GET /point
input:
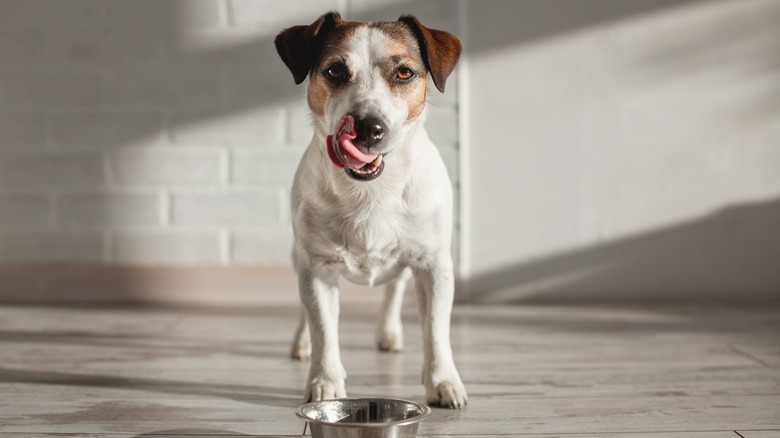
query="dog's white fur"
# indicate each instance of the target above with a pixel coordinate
(378, 232)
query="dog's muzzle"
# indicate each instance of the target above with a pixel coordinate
(350, 147)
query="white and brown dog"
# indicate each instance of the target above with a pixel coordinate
(371, 199)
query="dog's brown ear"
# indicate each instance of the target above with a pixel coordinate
(440, 50)
(300, 46)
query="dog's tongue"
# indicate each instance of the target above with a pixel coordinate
(342, 151)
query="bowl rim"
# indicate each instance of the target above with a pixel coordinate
(424, 412)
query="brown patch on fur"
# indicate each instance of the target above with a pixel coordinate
(415, 99)
(318, 95)
(440, 50)
(320, 89)
(403, 50)
(306, 50)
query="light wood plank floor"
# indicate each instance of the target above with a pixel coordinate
(530, 371)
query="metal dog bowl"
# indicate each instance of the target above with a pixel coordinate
(363, 418)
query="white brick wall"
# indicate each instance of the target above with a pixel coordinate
(52, 247)
(252, 208)
(166, 246)
(162, 131)
(22, 210)
(108, 210)
(166, 167)
(52, 169)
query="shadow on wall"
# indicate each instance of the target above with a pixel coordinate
(160, 57)
(151, 67)
(179, 77)
(731, 256)
(745, 45)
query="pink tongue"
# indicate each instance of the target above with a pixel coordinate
(342, 151)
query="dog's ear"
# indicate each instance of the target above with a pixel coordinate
(440, 50)
(300, 46)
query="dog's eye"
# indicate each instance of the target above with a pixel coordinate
(337, 73)
(404, 73)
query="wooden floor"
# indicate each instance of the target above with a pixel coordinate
(530, 371)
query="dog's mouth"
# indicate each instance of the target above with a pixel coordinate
(344, 154)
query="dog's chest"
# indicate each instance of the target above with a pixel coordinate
(370, 268)
(372, 253)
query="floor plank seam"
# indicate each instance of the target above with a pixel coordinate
(747, 355)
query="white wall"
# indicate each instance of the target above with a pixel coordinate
(161, 131)
(623, 150)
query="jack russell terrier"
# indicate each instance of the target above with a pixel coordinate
(372, 200)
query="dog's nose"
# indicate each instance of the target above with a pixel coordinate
(374, 130)
(370, 131)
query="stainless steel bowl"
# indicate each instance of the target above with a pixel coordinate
(363, 418)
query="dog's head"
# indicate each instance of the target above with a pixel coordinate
(367, 82)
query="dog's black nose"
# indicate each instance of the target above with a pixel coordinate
(374, 130)
(370, 131)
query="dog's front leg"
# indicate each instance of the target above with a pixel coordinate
(435, 293)
(320, 296)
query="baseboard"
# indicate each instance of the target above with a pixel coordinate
(252, 286)
(228, 286)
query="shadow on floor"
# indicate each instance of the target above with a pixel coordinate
(148, 344)
(261, 395)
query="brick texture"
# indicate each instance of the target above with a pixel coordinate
(244, 209)
(24, 211)
(45, 15)
(166, 247)
(166, 167)
(108, 210)
(47, 89)
(162, 132)
(102, 130)
(270, 13)
(22, 130)
(165, 87)
(265, 168)
(59, 246)
(53, 170)
(162, 16)
(270, 246)
(261, 127)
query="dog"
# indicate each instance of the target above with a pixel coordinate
(371, 198)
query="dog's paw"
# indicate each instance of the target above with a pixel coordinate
(324, 389)
(301, 349)
(448, 394)
(390, 338)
